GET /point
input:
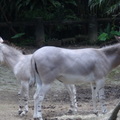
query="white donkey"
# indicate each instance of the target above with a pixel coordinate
(73, 67)
(20, 64)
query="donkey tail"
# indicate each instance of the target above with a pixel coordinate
(34, 73)
(32, 80)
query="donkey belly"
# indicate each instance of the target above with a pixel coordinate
(75, 79)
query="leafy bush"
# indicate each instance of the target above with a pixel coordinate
(108, 33)
(107, 36)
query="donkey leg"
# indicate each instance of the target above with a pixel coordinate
(20, 95)
(100, 89)
(94, 97)
(38, 98)
(23, 108)
(72, 92)
(20, 103)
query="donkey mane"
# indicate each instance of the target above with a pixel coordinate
(111, 49)
(10, 55)
(12, 49)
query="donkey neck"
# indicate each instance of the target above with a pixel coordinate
(11, 55)
(113, 55)
(11, 61)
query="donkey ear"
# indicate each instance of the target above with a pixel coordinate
(1, 40)
(117, 38)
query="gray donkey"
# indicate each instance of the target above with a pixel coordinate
(73, 67)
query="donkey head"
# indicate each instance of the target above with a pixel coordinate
(117, 38)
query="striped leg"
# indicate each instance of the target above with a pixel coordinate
(72, 92)
(38, 98)
(94, 97)
(100, 91)
(24, 96)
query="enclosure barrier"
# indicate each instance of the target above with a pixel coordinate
(89, 31)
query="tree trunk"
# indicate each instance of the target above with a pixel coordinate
(92, 29)
(39, 33)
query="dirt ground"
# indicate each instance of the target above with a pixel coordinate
(57, 101)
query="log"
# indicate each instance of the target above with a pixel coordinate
(115, 112)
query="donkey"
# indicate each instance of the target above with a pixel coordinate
(73, 66)
(20, 64)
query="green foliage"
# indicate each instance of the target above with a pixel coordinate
(105, 6)
(18, 35)
(108, 33)
(59, 10)
(28, 9)
(21, 40)
(12, 9)
(103, 37)
(117, 33)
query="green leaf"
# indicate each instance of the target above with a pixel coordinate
(18, 35)
(103, 37)
(115, 33)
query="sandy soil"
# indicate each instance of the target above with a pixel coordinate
(57, 101)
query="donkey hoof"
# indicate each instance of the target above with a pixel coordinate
(70, 111)
(19, 112)
(96, 113)
(23, 113)
(38, 119)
